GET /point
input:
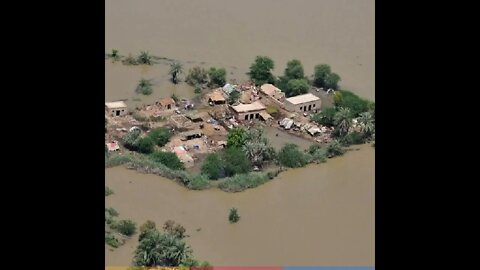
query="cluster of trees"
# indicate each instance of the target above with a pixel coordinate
(200, 77)
(293, 82)
(125, 227)
(245, 149)
(146, 145)
(163, 248)
(349, 106)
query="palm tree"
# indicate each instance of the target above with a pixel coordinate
(343, 121)
(145, 58)
(175, 69)
(144, 87)
(367, 123)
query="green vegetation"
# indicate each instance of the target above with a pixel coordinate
(296, 87)
(108, 191)
(257, 148)
(165, 248)
(218, 76)
(111, 240)
(326, 117)
(114, 55)
(145, 228)
(175, 69)
(233, 216)
(242, 182)
(261, 70)
(130, 139)
(145, 145)
(197, 76)
(317, 153)
(290, 156)
(235, 162)
(233, 97)
(343, 121)
(347, 99)
(144, 87)
(352, 138)
(130, 60)
(197, 90)
(126, 227)
(212, 166)
(160, 136)
(144, 58)
(174, 97)
(236, 137)
(335, 149)
(272, 110)
(169, 159)
(323, 77)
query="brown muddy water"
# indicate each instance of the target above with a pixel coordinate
(230, 33)
(319, 215)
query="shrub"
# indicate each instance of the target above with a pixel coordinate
(352, 138)
(197, 90)
(169, 159)
(117, 160)
(291, 156)
(144, 87)
(196, 75)
(317, 153)
(218, 76)
(335, 149)
(233, 216)
(176, 230)
(111, 212)
(108, 191)
(236, 137)
(160, 136)
(126, 227)
(325, 117)
(235, 161)
(130, 140)
(261, 70)
(145, 145)
(241, 182)
(213, 166)
(198, 182)
(111, 240)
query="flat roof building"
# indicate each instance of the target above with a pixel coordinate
(248, 111)
(116, 108)
(303, 103)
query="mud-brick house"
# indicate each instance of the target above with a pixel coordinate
(116, 108)
(248, 111)
(303, 103)
(166, 103)
(273, 92)
(216, 97)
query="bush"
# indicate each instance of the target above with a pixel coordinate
(198, 182)
(160, 136)
(144, 87)
(317, 153)
(347, 99)
(196, 75)
(235, 161)
(108, 191)
(233, 216)
(218, 76)
(111, 212)
(352, 138)
(130, 140)
(261, 70)
(236, 137)
(212, 167)
(325, 117)
(117, 160)
(197, 90)
(290, 156)
(335, 149)
(176, 230)
(168, 159)
(126, 227)
(174, 97)
(111, 240)
(296, 87)
(145, 145)
(242, 182)
(145, 228)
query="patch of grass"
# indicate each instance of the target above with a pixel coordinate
(126, 227)
(117, 160)
(242, 182)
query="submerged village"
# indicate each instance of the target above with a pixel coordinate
(218, 138)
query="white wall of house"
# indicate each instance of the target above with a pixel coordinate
(117, 112)
(303, 107)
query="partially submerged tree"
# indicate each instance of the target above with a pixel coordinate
(175, 69)
(332, 81)
(197, 76)
(290, 156)
(261, 70)
(367, 124)
(321, 73)
(343, 121)
(213, 166)
(114, 55)
(144, 87)
(233, 216)
(218, 76)
(160, 136)
(335, 149)
(144, 58)
(296, 87)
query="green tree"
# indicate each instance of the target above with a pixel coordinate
(290, 156)
(233, 97)
(144, 58)
(145, 145)
(317, 153)
(343, 121)
(213, 166)
(233, 216)
(175, 69)
(218, 76)
(235, 161)
(350, 100)
(367, 124)
(320, 74)
(294, 70)
(335, 149)
(160, 136)
(257, 148)
(236, 137)
(325, 117)
(197, 76)
(296, 87)
(261, 70)
(168, 159)
(158, 249)
(144, 87)
(130, 139)
(332, 81)
(126, 227)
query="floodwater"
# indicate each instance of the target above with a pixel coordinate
(319, 215)
(230, 33)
